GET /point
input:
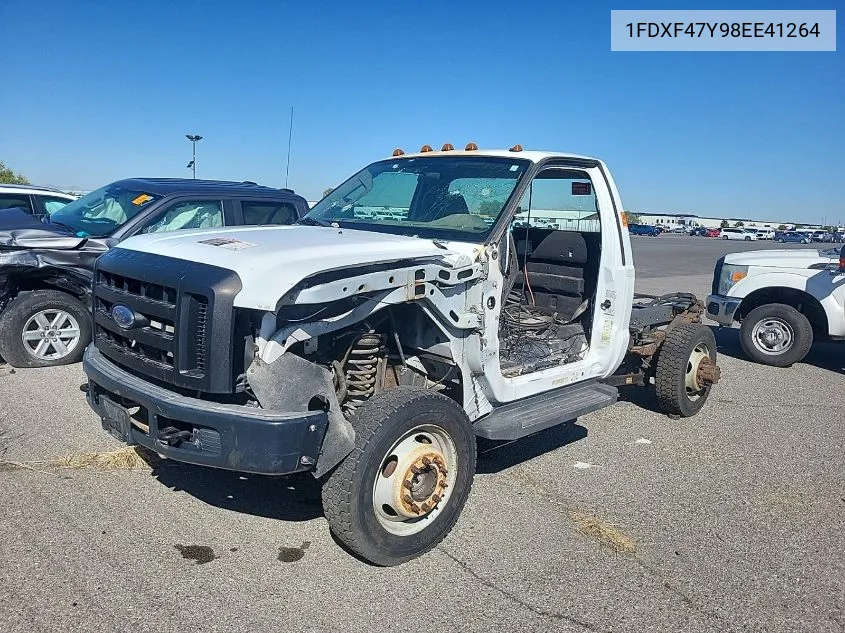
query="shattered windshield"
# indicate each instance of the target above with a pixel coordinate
(444, 197)
(103, 211)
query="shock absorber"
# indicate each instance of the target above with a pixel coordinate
(362, 369)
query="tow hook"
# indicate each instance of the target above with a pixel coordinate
(172, 436)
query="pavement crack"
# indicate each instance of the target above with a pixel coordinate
(516, 599)
(680, 593)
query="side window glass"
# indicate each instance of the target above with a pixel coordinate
(259, 213)
(202, 214)
(561, 199)
(14, 200)
(51, 205)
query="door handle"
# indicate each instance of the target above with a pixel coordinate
(605, 304)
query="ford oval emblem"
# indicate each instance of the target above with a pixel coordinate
(123, 316)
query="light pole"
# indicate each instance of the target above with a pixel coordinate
(194, 138)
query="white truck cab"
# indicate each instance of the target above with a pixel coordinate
(408, 313)
(782, 300)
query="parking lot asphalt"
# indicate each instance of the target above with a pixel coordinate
(735, 518)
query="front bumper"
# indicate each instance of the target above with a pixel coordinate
(232, 437)
(722, 309)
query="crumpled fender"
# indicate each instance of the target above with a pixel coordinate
(290, 383)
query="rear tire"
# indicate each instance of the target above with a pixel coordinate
(63, 320)
(677, 382)
(776, 334)
(367, 499)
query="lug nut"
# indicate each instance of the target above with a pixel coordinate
(407, 484)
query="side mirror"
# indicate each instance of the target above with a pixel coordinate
(842, 260)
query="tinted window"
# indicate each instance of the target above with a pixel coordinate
(263, 212)
(15, 200)
(195, 214)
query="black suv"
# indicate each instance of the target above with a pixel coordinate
(46, 265)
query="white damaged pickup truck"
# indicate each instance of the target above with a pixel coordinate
(783, 300)
(371, 343)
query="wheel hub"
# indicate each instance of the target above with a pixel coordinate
(421, 481)
(708, 372)
(701, 370)
(772, 336)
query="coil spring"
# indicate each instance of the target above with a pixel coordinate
(361, 369)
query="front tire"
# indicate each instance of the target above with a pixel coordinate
(781, 241)
(44, 328)
(686, 369)
(402, 489)
(776, 334)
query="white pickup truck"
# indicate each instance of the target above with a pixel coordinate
(372, 342)
(783, 300)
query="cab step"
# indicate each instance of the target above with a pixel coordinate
(518, 419)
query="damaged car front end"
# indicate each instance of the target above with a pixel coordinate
(188, 363)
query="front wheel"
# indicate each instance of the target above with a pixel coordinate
(747, 239)
(401, 490)
(686, 369)
(776, 334)
(781, 240)
(44, 328)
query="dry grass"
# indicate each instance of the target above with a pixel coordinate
(126, 458)
(604, 533)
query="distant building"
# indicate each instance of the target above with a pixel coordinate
(686, 220)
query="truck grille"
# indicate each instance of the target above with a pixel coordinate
(153, 304)
(185, 330)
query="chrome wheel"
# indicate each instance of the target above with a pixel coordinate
(772, 336)
(700, 370)
(415, 480)
(50, 334)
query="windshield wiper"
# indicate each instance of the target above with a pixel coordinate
(306, 221)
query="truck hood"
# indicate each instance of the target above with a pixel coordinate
(783, 258)
(271, 261)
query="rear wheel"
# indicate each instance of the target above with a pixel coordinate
(686, 369)
(401, 490)
(44, 328)
(776, 334)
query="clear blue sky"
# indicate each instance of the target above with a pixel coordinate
(93, 92)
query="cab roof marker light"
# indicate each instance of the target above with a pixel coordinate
(426, 148)
(516, 148)
(447, 147)
(398, 151)
(471, 147)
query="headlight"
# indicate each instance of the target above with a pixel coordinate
(731, 274)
